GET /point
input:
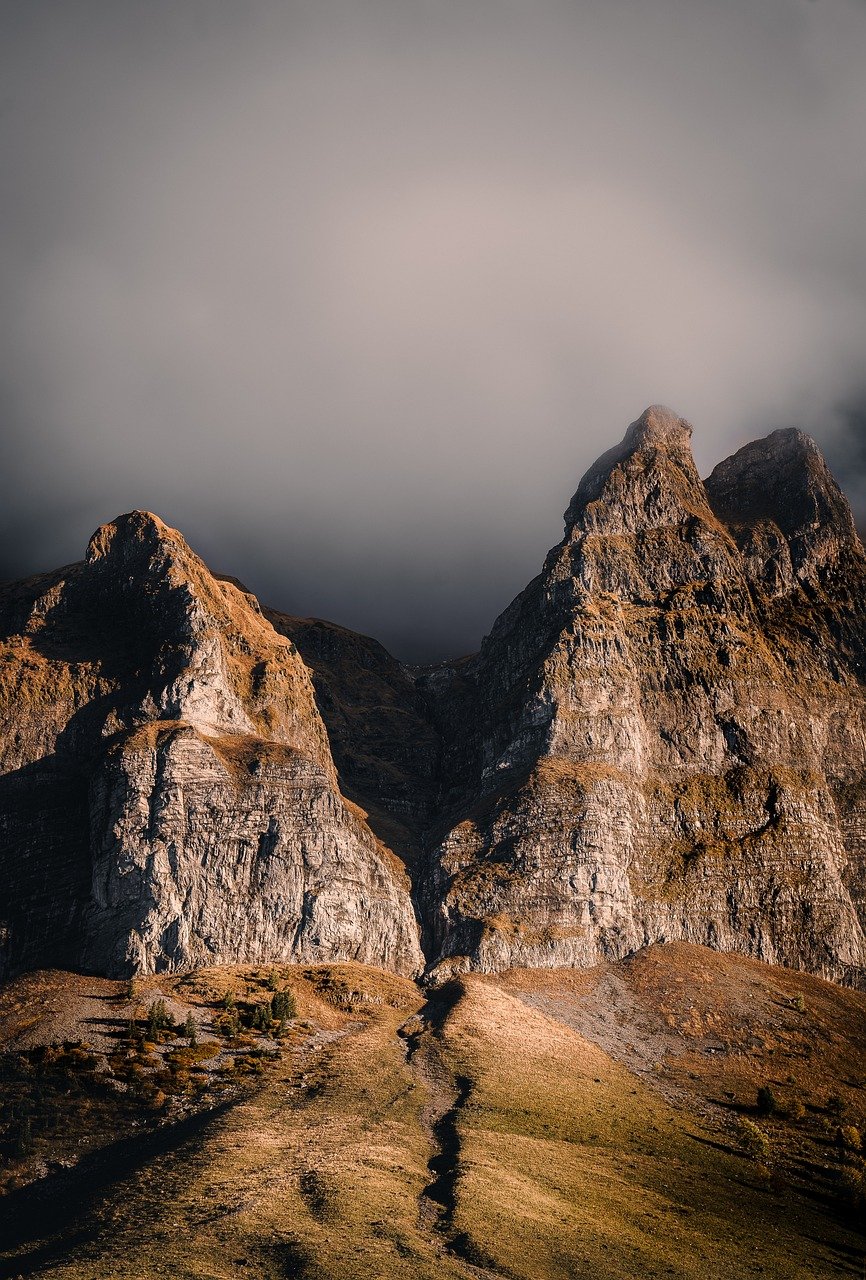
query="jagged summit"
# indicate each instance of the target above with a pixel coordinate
(786, 512)
(648, 480)
(132, 529)
(168, 794)
(667, 735)
(660, 428)
(782, 478)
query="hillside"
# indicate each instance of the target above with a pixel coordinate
(540, 1124)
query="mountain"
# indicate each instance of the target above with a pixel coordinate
(169, 797)
(663, 738)
(666, 732)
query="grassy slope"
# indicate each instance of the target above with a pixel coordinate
(548, 1157)
(570, 1166)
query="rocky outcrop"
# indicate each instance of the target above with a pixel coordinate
(231, 849)
(169, 796)
(669, 725)
(663, 737)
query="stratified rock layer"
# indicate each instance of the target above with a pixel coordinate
(169, 796)
(663, 737)
(668, 727)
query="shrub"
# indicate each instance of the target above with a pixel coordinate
(228, 1001)
(753, 1140)
(190, 1030)
(283, 1006)
(22, 1142)
(767, 1102)
(849, 1136)
(835, 1105)
(853, 1190)
(798, 1002)
(796, 1110)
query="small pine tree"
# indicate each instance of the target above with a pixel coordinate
(767, 1102)
(158, 1019)
(283, 1006)
(273, 981)
(228, 1001)
(799, 1003)
(261, 1018)
(190, 1030)
(230, 1024)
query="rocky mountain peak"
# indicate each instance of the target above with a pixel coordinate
(131, 534)
(658, 427)
(647, 481)
(661, 738)
(781, 503)
(782, 477)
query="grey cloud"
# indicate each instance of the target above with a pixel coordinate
(352, 293)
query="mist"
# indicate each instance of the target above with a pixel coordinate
(353, 293)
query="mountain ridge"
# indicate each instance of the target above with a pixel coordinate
(663, 736)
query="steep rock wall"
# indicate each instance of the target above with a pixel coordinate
(663, 737)
(130, 846)
(668, 719)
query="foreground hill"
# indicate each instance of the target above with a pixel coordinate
(662, 738)
(602, 1123)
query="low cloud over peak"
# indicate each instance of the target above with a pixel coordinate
(353, 294)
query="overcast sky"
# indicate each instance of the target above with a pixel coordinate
(353, 293)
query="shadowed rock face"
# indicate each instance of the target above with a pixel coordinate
(663, 737)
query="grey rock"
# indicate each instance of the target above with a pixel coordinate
(670, 727)
(168, 795)
(662, 738)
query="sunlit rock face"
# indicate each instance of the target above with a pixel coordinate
(169, 796)
(667, 737)
(663, 737)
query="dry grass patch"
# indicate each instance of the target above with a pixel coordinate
(569, 1166)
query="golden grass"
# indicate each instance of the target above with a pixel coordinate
(551, 1159)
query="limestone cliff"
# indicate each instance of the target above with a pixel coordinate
(169, 796)
(663, 737)
(668, 727)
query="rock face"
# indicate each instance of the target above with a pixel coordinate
(663, 737)
(670, 724)
(169, 796)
